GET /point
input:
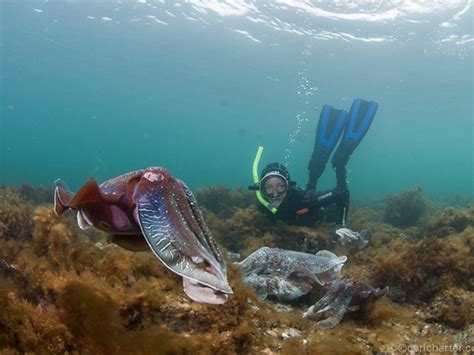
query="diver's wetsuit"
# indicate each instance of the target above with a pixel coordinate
(307, 207)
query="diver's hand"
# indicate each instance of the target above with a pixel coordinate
(307, 197)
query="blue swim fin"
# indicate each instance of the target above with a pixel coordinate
(330, 127)
(361, 115)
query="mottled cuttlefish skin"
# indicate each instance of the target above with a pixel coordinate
(288, 275)
(150, 209)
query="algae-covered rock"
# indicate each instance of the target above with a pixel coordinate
(15, 216)
(418, 272)
(405, 209)
(222, 201)
(450, 220)
(453, 307)
(36, 194)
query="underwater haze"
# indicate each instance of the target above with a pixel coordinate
(97, 89)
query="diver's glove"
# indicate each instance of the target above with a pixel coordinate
(347, 236)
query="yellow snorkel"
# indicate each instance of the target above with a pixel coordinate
(256, 181)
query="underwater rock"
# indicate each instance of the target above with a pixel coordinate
(405, 209)
(450, 220)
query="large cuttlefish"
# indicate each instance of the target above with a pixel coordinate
(151, 209)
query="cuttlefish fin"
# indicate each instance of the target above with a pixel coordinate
(328, 254)
(82, 221)
(88, 194)
(62, 197)
(302, 272)
(65, 199)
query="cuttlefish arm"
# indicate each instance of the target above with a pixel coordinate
(336, 302)
(203, 233)
(340, 295)
(179, 239)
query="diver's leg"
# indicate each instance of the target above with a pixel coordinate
(360, 118)
(330, 127)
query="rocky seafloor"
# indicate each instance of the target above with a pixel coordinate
(64, 290)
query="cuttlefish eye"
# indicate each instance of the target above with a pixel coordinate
(153, 176)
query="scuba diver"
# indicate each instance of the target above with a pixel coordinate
(279, 196)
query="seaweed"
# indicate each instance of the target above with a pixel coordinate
(246, 225)
(418, 272)
(249, 229)
(15, 221)
(216, 199)
(405, 209)
(93, 318)
(450, 220)
(64, 290)
(222, 201)
(453, 307)
(29, 328)
(36, 194)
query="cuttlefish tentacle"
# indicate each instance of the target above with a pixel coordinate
(188, 212)
(339, 296)
(335, 301)
(338, 309)
(206, 237)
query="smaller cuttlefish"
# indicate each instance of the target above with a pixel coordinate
(288, 275)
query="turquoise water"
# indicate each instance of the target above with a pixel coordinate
(99, 89)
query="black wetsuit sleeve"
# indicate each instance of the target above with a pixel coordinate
(326, 198)
(336, 197)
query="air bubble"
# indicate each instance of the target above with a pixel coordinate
(305, 89)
